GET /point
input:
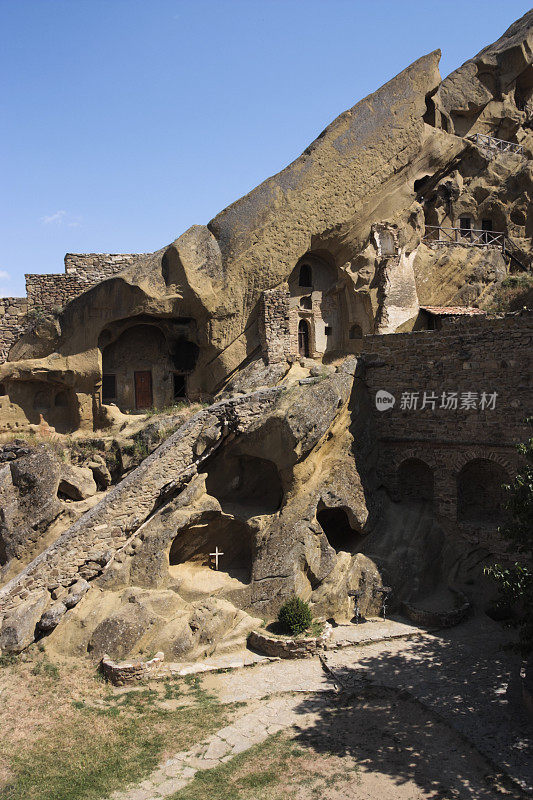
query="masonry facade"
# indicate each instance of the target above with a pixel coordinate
(483, 364)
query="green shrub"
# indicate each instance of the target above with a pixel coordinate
(295, 616)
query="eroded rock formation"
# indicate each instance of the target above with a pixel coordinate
(404, 213)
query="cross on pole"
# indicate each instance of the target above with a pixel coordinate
(216, 555)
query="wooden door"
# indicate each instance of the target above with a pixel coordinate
(143, 389)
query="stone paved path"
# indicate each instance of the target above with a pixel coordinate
(462, 675)
(257, 724)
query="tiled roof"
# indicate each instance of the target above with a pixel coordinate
(452, 311)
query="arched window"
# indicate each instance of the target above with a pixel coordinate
(415, 480)
(303, 338)
(41, 401)
(480, 495)
(356, 332)
(306, 276)
(61, 399)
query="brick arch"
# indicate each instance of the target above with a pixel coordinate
(420, 453)
(461, 459)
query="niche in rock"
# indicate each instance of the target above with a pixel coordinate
(244, 485)
(3, 552)
(190, 552)
(339, 532)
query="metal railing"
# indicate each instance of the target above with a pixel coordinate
(469, 237)
(490, 142)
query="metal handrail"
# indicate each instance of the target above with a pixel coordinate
(484, 140)
(465, 236)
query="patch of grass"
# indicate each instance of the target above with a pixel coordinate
(259, 772)
(81, 740)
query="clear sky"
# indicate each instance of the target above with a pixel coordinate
(123, 122)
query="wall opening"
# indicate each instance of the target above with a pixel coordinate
(339, 532)
(191, 550)
(306, 276)
(415, 481)
(180, 386)
(306, 302)
(356, 332)
(109, 387)
(3, 391)
(41, 401)
(3, 552)
(303, 338)
(480, 494)
(61, 400)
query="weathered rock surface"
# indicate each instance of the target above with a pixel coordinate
(76, 483)
(19, 626)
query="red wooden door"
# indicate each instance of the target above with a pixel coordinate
(143, 389)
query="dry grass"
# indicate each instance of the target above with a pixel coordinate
(66, 735)
(275, 770)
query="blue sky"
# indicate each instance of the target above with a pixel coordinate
(126, 121)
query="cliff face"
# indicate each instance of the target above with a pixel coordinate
(291, 476)
(382, 172)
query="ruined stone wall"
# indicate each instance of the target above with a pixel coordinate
(421, 370)
(54, 291)
(82, 270)
(97, 266)
(274, 328)
(12, 324)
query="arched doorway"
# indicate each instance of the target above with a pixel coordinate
(303, 338)
(480, 493)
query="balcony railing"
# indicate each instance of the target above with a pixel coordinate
(489, 142)
(468, 237)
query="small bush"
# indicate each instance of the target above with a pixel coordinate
(295, 616)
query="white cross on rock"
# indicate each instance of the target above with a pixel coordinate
(216, 555)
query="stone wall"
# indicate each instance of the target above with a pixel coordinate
(54, 291)
(274, 327)
(82, 270)
(474, 358)
(12, 324)
(97, 266)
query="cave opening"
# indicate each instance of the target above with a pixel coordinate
(244, 485)
(338, 530)
(191, 552)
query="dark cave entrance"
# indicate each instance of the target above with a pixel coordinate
(244, 485)
(192, 548)
(339, 532)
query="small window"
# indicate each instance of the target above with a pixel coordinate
(329, 330)
(306, 276)
(180, 386)
(356, 332)
(109, 387)
(465, 223)
(306, 303)
(41, 401)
